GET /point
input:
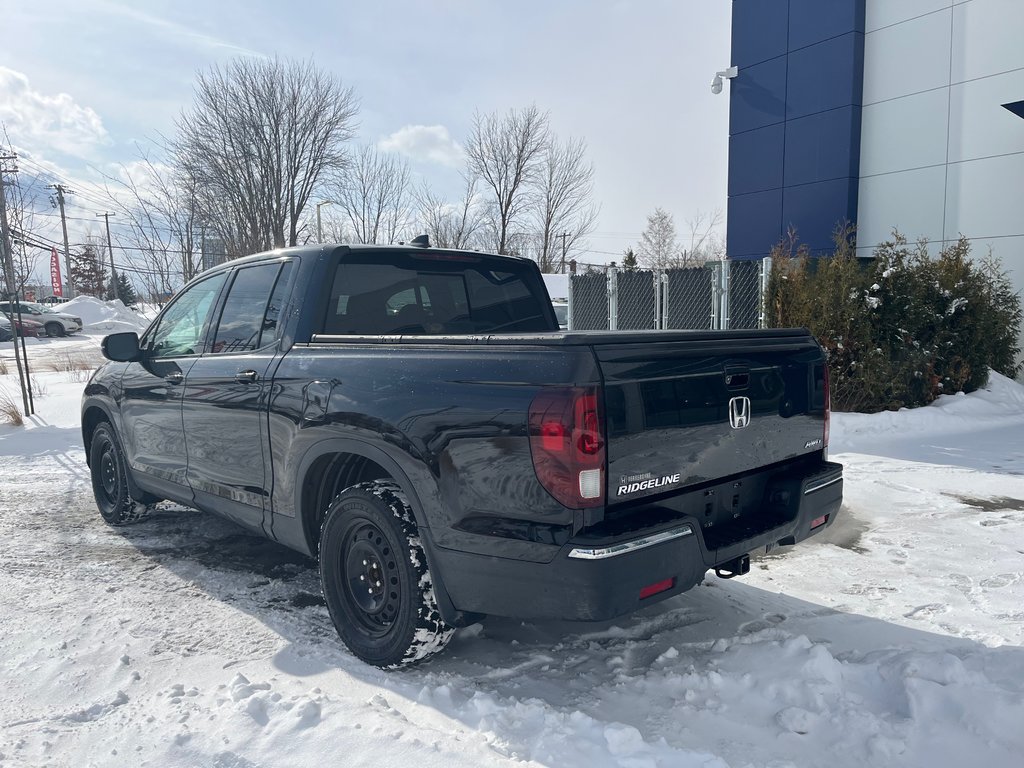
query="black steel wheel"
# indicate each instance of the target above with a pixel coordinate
(375, 578)
(110, 479)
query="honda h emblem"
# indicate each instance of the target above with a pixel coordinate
(739, 412)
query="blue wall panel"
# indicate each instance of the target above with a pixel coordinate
(822, 147)
(759, 31)
(794, 121)
(754, 220)
(756, 159)
(825, 76)
(815, 210)
(758, 96)
(811, 21)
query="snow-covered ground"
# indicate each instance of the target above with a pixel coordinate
(894, 640)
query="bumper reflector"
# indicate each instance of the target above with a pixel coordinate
(590, 483)
(653, 589)
(819, 521)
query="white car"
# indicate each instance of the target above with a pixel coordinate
(56, 323)
(561, 313)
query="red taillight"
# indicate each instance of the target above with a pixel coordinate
(828, 407)
(567, 445)
(653, 589)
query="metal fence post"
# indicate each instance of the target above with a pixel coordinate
(569, 324)
(613, 299)
(657, 275)
(725, 294)
(766, 272)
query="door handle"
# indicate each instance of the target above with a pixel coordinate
(246, 377)
(175, 377)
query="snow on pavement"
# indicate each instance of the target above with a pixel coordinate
(895, 639)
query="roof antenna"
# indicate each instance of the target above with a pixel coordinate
(420, 241)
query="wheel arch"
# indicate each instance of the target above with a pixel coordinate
(330, 466)
(93, 414)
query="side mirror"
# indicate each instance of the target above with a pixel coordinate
(121, 347)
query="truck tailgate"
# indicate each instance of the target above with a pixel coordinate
(685, 411)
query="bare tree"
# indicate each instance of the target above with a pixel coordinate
(704, 239)
(260, 139)
(506, 154)
(563, 209)
(374, 197)
(25, 194)
(159, 212)
(451, 225)
(659, 248)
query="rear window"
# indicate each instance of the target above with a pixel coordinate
(400, 294)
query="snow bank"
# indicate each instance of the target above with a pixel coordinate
(1000, 404)
(104, 316)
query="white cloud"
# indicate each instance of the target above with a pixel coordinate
(425, 143)
(44, 122)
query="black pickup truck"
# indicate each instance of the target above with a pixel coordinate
(414, 418)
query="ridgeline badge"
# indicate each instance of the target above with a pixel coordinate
(634, 483)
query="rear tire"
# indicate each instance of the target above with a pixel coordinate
(109, 472)
(374, 574)
(54, 329)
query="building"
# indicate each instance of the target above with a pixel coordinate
(214, 252)
(883, 113)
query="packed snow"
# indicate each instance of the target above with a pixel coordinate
(893, 639)
(104, 316)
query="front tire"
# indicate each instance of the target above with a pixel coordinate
(374, 573)
(109, 472)
(54, 329)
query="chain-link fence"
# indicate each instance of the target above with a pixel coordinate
(688, 296)
(588, 302)
(718, 295)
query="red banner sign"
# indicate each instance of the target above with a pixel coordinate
(55, 273)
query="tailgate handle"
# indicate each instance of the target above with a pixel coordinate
(737, 380)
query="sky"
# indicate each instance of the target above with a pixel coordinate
(84, 84)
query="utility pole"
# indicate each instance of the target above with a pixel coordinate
(319, 229)
(8, 266)
(564, 235)
(110, 249)
(64, 226)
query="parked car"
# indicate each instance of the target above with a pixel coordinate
(54, 300)
(561, 313)
(415, 419)
(6, 334)
(26, 326)
(55, 323)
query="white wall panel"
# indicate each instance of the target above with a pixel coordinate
(979, 125)
(983, 197)
(987, 38)
(883, 13)
(907, 58)
(905, 133)
(909, 200)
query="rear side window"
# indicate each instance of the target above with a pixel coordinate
(249, 319)
(401, 294)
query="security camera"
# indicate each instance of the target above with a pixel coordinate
(716, 84)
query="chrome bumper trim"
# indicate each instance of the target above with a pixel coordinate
(600, 553)
(819, 486)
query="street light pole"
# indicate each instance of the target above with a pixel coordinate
(319, 228)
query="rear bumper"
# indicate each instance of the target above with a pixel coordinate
(594, 578)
